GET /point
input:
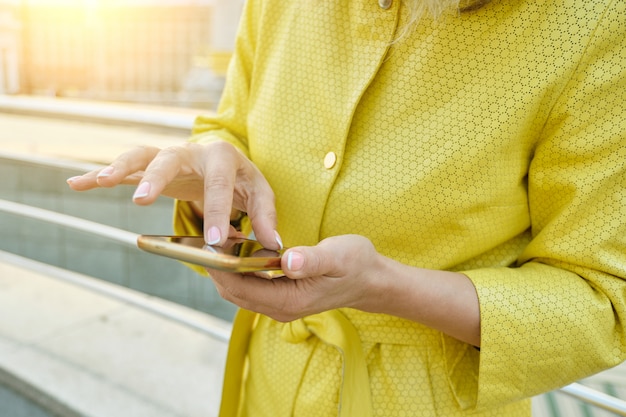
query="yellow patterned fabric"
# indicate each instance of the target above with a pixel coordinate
(491, 142)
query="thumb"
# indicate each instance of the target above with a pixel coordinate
(307, 261)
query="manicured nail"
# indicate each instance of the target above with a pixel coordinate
(142, 191)
(295, 261)
(72, 179)
(278, 239)
(213, 236)
(106, 172)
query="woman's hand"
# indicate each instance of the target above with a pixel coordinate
(216, 176)
(347, 271)
(338, 272)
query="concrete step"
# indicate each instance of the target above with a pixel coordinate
(99, 355)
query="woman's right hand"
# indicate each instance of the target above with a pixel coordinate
(217, 176)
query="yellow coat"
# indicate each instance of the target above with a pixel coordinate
(491, 142)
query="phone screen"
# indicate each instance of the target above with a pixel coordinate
(233, 247)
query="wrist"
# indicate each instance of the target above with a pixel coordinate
(380, 285)
(443, 300)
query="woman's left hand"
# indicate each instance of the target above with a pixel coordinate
(338, 272)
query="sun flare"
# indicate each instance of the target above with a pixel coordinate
(64, 3)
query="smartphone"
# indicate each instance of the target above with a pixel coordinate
(237, 255)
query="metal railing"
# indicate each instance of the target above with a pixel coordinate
(206, 324)
(596, 398)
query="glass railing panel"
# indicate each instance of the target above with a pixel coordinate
(44, 186)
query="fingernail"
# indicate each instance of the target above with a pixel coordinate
(142, 191)
(105, 172)
(278, 239)
(213, 236)
(295, 261)
(72, 179)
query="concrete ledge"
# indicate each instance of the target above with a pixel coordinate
(20, 398)
(54, 135)
(119, 113)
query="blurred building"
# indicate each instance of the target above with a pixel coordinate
(10, 31)
(151, 51)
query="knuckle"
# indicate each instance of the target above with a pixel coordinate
(172, 152)
(218, 180)
(220, 146)
(269, 199)
(235, 295)
(139, 153)
(220, 289)
(291, 309)
(314, 263)
(226, 293)
(145, 149)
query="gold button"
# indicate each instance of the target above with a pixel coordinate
(385, 4)
(329, 160)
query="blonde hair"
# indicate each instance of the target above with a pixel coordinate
(416, 9)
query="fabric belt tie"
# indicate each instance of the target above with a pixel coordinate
(333, 329)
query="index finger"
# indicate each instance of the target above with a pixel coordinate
(231, 180)
(219, 186)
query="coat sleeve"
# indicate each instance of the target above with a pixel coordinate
(559, 315)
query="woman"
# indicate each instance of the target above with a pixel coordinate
(452, 194)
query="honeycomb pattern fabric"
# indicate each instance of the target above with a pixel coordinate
(491, 142)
